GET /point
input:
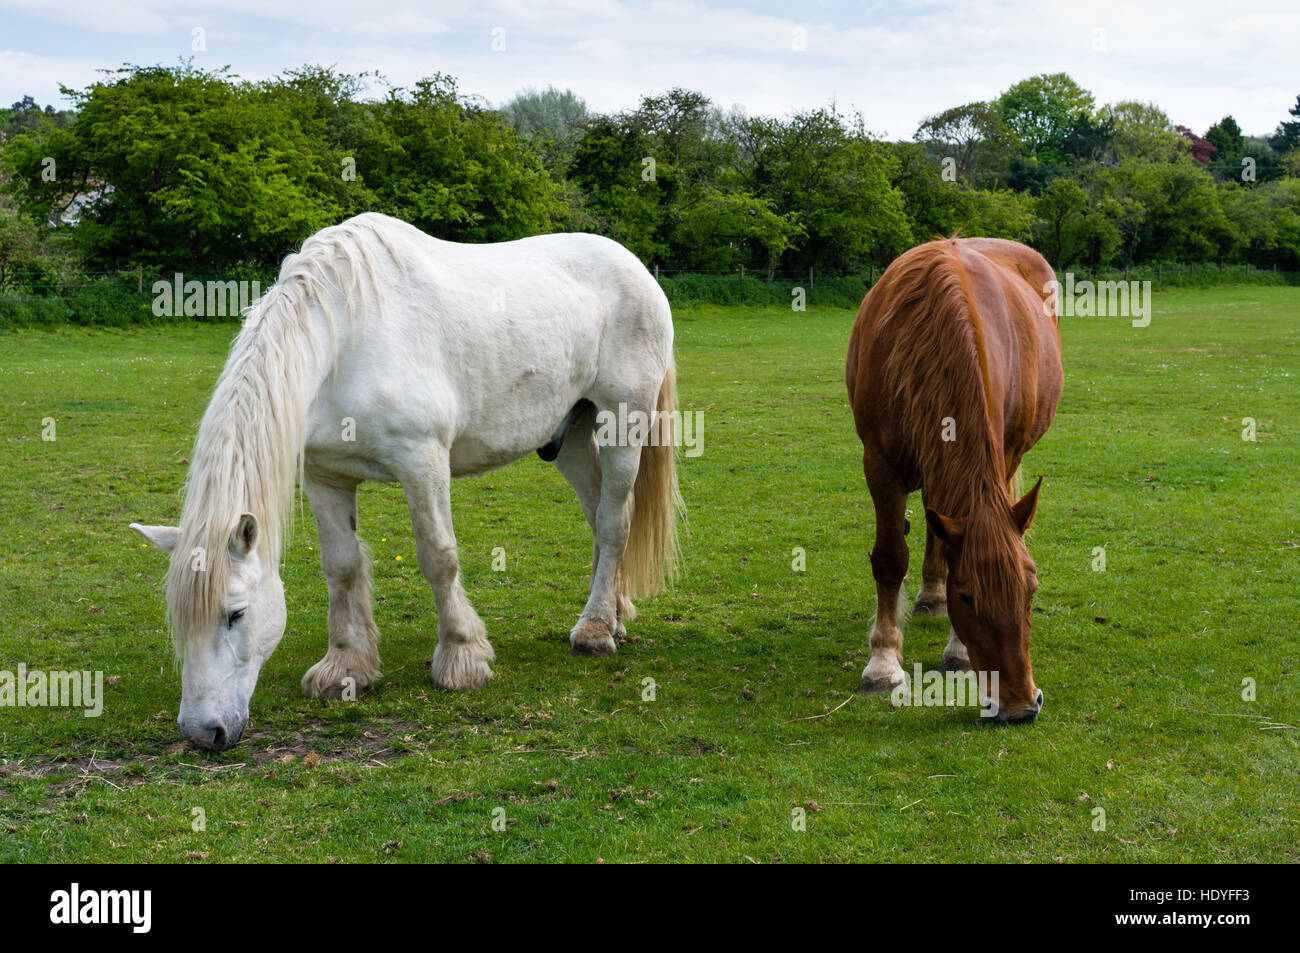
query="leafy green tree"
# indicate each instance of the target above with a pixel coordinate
(1226, 136)
(1041, 111)
(1173, 211)
(974, 136)
(27, 116)
(1266, 222)
(1061, 203)
(1287, 135)
(622, 192)
(724, 229)
(1087, 139)
(184, 168)
(1142, 132)
(1000, 213)
(455, 171)
(828, 171)
(552, 119)
(21, 252)
(936, 207)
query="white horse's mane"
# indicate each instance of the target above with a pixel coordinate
(249, 447)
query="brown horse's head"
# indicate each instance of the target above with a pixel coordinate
(991, 583)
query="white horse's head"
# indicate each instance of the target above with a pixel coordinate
(221, 660)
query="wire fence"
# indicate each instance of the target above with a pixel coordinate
(132, 297)
(141, 281)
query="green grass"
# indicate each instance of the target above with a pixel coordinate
(1142, 664)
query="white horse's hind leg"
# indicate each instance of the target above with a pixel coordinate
(579, 462)
(955, 657)
(461, 659)
(594, 635)
(352, 660)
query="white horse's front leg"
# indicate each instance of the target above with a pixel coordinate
(352, 660)
(594, 635)
(461, 659)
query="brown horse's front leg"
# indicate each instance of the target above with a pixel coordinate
(889, 558)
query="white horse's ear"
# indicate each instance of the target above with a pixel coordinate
(164, 537)
(244, 537)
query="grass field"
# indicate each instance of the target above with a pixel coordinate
(755, 665)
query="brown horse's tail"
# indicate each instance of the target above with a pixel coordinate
(650, 560)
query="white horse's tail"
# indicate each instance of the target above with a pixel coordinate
(651, 557)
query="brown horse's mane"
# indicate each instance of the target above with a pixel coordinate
(937, 368)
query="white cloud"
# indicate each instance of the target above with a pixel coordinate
(898, 63)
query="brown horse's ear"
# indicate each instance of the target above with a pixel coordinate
(948, 530)
(1022, 514)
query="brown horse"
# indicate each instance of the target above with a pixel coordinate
(954, 371)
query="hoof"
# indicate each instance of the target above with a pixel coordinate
(462, 667)
(881, 683)
(952, 664)
(930, 607)
(592, 638)
(332, 677)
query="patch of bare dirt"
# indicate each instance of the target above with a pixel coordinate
(314, 744)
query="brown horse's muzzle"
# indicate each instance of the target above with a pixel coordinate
(1022, 715)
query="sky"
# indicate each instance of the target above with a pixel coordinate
(896, 63)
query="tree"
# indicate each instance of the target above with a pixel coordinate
(180, 168)
(1266, 222)
(722, 229)
(835, 178)
(621, 191)
(1172, 211)
(1061, 202)
(453, 170)
(1040, 112)
(1225, 135)
(1202, 150)
(1087, 139)
(26, 116)
(553, 119)
(974, 136)
(1142, 132)
(1287, 135)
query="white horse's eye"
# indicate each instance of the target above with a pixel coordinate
(234, 617)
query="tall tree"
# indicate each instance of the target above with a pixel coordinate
(180, 167)
(1142, 132)
(454, 170)
(1287, 135)
(1041, 111)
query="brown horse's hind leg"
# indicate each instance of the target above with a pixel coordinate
(889, 557)
(933, 597)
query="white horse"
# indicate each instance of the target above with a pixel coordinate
(384, 354)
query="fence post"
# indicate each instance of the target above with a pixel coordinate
(742, 277)
(139, 279)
